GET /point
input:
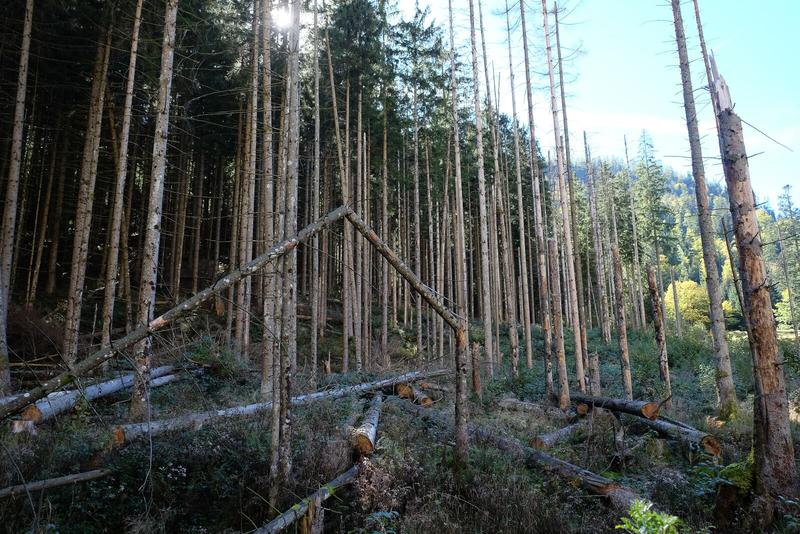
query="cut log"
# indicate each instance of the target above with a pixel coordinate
(648, 410)
(407, 391)
(539, 410)
(123, 434)
(364, 437)
(682, 432)
(315, 499)
(52, 405)
(545, 441)
(619, 496)
(22, 489)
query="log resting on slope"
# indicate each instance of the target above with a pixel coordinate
(648, 410)
(364, 437)
(67, 480)
(682, 432)
(315, 499)
(122, 434)
(619, 496)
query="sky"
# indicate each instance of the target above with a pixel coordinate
(622, 76)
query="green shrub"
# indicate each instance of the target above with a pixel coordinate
(644, 520)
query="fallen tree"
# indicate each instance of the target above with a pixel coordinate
(53, 482)
(311, 503)
(184, 308)
(678, 431)
(545, 441)
(122, 434)
(619, 496)
(408, 391)
(539, 410)
(648, 410)
(52, 405)
(363, 437)
(431, 386)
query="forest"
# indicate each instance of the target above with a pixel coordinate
(310, 266)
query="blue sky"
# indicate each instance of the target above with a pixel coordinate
(625, 76)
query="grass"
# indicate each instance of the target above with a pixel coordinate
(216, 479)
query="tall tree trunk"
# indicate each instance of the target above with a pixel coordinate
(315, 275)
(661, 338)
(119, 188)
(622, 327)
(541, 245)
(484, 236)
(774, 467)
(675, 303)
(12, 190)
(460, 452)
(724, 375)
(267, 207)
(635, 236)
(139, 408)
(85, 201)
(581, 325)
(570, 285)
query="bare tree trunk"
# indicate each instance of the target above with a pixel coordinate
(462, 333)
(12, 189)
(636, 264)
(558, 329)
(55, 234)
(527, 316)
(85, 201)
(622, 327)
(541, 245)
(724, 375)
(569, 249)
(661, 338)
(315, 277)
(774, 468)
(484, 236)
(676, 304)
(139, 408)
(573, 219)
(267, 208)
(119, 192)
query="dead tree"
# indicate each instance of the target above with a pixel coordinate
(724, 375)
(661, 339)
(774, 467)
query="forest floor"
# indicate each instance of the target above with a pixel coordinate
(216, 479)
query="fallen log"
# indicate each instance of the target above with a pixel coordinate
(648, 410)
(39, 485)
(53, 405)
(184, 308)
(430, 386)
(686, 434)
(539, 410)
(314, 500)
(122, 434)
(407, 391)
(619, 496)
(546, 441)
(363, 437)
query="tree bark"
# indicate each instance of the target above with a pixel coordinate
(661, 338)
(648, 410)
(12, 191)
(570, 284)
(364, 437)
(116, 227)
(485, 287)
(622, 326)
(24, 489)
(149, 274)
(724, 375)
(85, 201)
(774, 467)
(558, 327)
